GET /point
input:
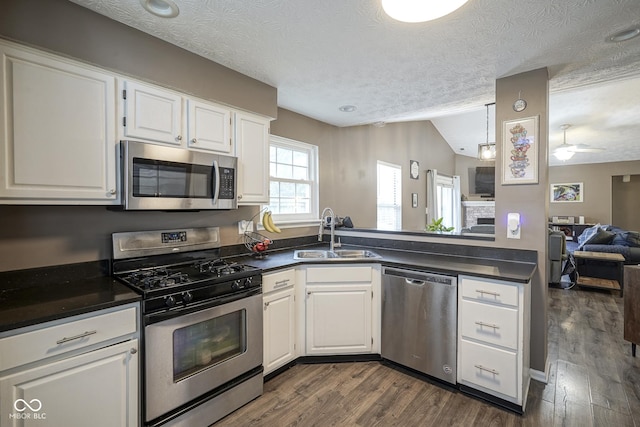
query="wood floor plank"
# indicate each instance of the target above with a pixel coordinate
(593, 381)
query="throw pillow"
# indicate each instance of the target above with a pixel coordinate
(602, 237)
(587, 234)
(633, 239)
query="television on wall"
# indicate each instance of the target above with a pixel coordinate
(486, 180)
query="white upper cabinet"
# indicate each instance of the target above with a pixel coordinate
(209, 126)
(252, 148)
(152, 113)
(159, 115)
(57, 130)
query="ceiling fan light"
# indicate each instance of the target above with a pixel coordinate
(563, 154)
(420, 10)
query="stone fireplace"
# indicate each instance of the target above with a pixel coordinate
(478, 213)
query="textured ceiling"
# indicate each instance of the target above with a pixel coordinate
(324, 54)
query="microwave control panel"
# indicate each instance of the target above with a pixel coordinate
(227, 183)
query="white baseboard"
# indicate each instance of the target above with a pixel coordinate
(543, 377)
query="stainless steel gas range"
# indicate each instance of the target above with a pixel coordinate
(202, 322)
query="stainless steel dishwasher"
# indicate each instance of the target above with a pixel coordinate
(419, 321)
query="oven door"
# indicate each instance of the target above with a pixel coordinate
(188, 356)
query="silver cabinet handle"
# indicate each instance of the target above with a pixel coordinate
(179, 137)
(281, 283)
(133, 351)
(75, 337)
(493, 371)
(112, 191)
(266, 304)
(481, 292)
(489, 325)
(193, 141)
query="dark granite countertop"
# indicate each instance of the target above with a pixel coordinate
(514, 271)
(29, 297)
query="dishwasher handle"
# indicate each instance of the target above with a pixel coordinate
(419, 277)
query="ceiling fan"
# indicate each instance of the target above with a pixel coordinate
(566, 151)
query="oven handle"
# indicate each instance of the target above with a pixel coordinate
(192, 308)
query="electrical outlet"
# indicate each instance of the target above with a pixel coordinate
(244, 225)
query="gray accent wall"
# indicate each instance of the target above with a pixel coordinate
(598, 205)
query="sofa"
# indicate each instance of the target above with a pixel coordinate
(610, 239)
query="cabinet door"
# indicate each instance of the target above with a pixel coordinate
(339, 319)
(209, 126)
(279, 329)
(57, 130)
(252, 149)
(152, 114)
(99, 388)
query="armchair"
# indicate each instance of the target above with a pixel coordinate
(557, 254)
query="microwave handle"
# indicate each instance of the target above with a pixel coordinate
(216, 185)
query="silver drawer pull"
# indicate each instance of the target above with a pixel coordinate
(281, 283)
(493, 371)
(488, 325)
(481, 292)
(76, 337)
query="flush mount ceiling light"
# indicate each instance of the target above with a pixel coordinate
(348, 108)
(623, 36)
(161, 8)
(487, 151)
(420, 10)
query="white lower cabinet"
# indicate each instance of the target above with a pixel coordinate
(279, 319)
(88, 374)
(493, 337)
(342, 309)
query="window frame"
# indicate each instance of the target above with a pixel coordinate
(294, 220)
(398, 207)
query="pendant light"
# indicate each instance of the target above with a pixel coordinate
(487, 151)
(420, 10)
(565, 151)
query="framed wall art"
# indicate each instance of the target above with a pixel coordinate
(567, 193)
(520, 151)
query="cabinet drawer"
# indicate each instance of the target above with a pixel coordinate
(489, 291)
(335, 274)
(489, 367)
(53, 340)
(278, 280)
(489, 323)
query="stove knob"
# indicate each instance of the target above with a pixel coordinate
(187, 297)
(170, 301)
(249, 280)
(236, 285)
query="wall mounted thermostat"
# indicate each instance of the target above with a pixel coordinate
(513, 226)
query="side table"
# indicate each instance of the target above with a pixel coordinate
(632, 306)
(600, 270)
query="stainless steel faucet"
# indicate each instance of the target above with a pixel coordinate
(332, 227)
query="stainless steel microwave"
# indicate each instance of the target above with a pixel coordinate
(155, 177)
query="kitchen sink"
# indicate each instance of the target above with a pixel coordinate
(326, 255)
(352, 253)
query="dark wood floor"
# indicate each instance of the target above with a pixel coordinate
(593, 381)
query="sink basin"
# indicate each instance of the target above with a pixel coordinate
(313, 254)
(326, 255)
(354, 253)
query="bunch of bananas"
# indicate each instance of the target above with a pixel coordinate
(267, 223)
